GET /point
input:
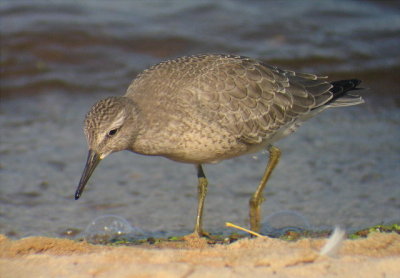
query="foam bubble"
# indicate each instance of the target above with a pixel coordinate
(106, 228)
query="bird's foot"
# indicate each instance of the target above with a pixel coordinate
(197, 240)
(198, 234)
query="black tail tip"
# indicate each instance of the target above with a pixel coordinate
(340, 87)
(348, 83)
(355, 82)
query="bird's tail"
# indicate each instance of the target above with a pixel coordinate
(341, 96)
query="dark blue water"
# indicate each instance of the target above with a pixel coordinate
(99, 46)
(59, 57)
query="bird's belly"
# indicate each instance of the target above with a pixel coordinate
(197, 145)
(206, 150)
(190, 141)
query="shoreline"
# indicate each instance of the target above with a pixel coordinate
(377, 255)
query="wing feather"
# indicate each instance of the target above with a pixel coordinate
(250, 99)
(256, 100)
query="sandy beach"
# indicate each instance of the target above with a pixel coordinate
(378, 255)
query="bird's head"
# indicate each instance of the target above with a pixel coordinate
(110, 126)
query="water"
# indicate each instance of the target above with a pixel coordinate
(59, 57)
(98, 46)
(281, 222)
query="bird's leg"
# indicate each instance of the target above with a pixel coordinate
(202, 192)
(257, 198)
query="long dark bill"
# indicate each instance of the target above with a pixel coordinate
(93, 160)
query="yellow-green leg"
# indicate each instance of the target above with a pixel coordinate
(257, 198)
(202, 192)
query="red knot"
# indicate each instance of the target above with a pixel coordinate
(207, 108)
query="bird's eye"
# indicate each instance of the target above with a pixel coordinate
(112, 132)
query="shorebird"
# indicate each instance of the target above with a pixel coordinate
(207, 108)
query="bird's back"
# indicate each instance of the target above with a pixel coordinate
(243, 102)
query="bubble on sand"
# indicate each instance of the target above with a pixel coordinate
(107, 228)
(281, 222)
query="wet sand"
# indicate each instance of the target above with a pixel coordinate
(378, 255)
